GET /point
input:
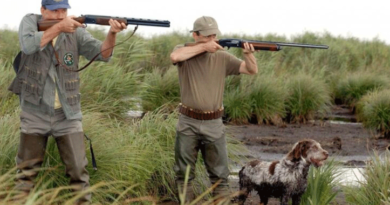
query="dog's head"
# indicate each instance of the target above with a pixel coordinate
(310, 150)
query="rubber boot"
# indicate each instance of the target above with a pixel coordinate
(72, 151)
(30, 156)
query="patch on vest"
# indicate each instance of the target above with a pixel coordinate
(68, 59)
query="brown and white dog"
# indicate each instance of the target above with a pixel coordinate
(284, 179)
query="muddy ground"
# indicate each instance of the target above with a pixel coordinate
(346, 141)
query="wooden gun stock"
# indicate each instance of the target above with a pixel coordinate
(263, 46)
(43, 25)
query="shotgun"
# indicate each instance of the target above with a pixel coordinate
(103, 20)
(260, 45)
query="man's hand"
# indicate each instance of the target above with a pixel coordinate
(212, 46)
(249, 65)
(248, 48)
(116, 26)
(69, 25)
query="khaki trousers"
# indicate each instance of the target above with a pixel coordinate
(36, 128)
(207, 136)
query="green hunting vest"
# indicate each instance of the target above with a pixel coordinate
(36, 73)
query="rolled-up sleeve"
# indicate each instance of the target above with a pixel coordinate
(29, 36)
(88, 46)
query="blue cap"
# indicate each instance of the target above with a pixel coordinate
(55, 4)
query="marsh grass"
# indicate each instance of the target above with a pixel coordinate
(8, 101)
(9, 46)
(105, 87)
(375, 186)
(306, 96)
(160, 88)
(44, 195)
(9, 139)
(132, 55)
(161, 46)
(373, 110)
(237, 106)
(351, 88)
(135, 157)
(267, 97)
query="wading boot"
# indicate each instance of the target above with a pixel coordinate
(72, 151)
(29, 159)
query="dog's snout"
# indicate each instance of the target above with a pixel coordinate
(326, 154)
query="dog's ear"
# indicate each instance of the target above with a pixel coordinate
(304, 146)
(295, 153)
(299, 150)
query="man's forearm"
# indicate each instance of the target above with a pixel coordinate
(185, 53)
(251, 63)
(108, 45)
(49, 35)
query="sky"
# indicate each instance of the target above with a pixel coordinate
(361, 19)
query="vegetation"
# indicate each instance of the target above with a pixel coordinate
(354, 86)
(135, 156)
(322, 184)
(374, 188)
(306, 96)
(374, 111)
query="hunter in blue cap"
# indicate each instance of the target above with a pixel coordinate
(55, 4)
(51, 102)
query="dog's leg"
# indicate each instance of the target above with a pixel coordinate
(296, 199)
(244, 193)
(284, 199)
(263, 199)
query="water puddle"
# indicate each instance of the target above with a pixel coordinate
(351, 176)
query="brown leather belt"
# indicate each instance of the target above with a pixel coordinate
(199, 114)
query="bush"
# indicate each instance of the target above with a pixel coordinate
(374, 111)
(306, 96)
(237, 106)
(350, 89)
(267, 97)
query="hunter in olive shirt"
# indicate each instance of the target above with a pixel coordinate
(202, 79)
(202, 72)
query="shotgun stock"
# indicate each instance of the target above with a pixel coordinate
(103, 20)
(261, 45)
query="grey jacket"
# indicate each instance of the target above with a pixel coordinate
(38, 75)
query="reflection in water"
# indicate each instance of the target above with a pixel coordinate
(351, 176)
